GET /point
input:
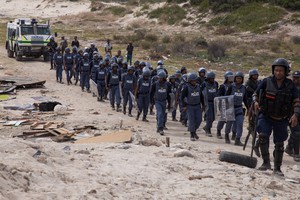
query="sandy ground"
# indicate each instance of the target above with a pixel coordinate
(117, 171)
(42, 8)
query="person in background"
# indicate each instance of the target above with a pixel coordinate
(129, 52)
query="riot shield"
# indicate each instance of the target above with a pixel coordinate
(134, 101)
(94, 88)
(224, 108)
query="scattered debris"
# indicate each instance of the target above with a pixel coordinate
(60, 109)
(182, 153)
(22, 82)
(199, 177)
(38, 153)
(121, 136)
(22, 107)
(292, 180)
(47, 106)
(46, 125)
(83, 152)
(150, 142)
(4, 89)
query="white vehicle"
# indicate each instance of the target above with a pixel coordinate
(26, 37)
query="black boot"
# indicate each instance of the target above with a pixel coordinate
(207, 131)
(196, 136)
(219, 134)
(296, 150)
(193, 136)
(129, 113)
(145, 119)
(278, 155)
(264, 149)
(233, 136)
(124, 110)
(138, 115)
(227, 140)
(289, 150)
(118, 108)
(238, 142)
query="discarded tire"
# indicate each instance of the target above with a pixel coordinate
(239, 159)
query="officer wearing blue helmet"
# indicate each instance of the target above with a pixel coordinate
(128, 85)
(228, 80)
(77, 59)
(95, 65)
(209, 89)
(142, 93)
(85, 69)
(113, 83)
(174, 88)
(124, 68)
(183, 116)
(101, 78)
(178, 76)
(160, 92)
(68, 64)
(58, 64)
(294, 141)
(278, 106)
(192, 100)
(202, 75)
(251, 85)
(52, 49)
(239, 91)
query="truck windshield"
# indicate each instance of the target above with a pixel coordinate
(27, 30)
(43, 30)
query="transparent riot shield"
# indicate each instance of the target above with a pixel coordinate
(94, 88)
(224, 108)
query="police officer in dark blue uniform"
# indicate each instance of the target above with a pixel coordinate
(85, 70)
(174, 88)
(278, 106)
(183, 116)
(101, 78)
(209, 89)
(142, 93)
(251, 85)
(202, 75)
(294, 141)
(192, 99)
(77, 59)
(95, 65)
(68, 64)
(113, 83)
(58, 63)
(228, 76)
(128, 85)
(239, 91)
(160, 92)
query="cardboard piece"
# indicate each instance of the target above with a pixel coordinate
(121, 136)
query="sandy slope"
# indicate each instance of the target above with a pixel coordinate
(42, 8)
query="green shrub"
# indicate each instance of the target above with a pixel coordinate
(296, 39)
(117, 10)
(179, 37)
(216, 49)
(151, 37)
(145, 44)
(166, 39)
(169, 14)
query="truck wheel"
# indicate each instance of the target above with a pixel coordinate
(10, 53)
(46, 57)
(239, 159)
(18, 57)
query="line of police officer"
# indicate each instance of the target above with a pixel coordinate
(276, 98)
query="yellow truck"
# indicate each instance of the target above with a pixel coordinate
(26, 37)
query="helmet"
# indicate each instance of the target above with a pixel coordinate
(52, 38)
(239, 74)
(172, 77)
(202, 70)
(95, 52)
(142, 64)
(86, 55)
(148, 65)
(296, 74)
(125, 63)
(227, 74)
(281, 62)
(184, 77)
(210, 74)
(58, 49)
(106, 59)
(182, 69)
(159, 67)
(92, 45)
(146, 72)
(74, 48)
(192, 76)
(96, 56)
(114, 65)
(178, 72)
(80, 51)
(68, 50)
(136, 62)
(162, 74)
(160, 62)
(131, 68)
(253, 72)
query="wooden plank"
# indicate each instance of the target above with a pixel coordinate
(33, 132)
(35, 124)
(116, 137)
(52, 132)
(62, 131)
(48, 124)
